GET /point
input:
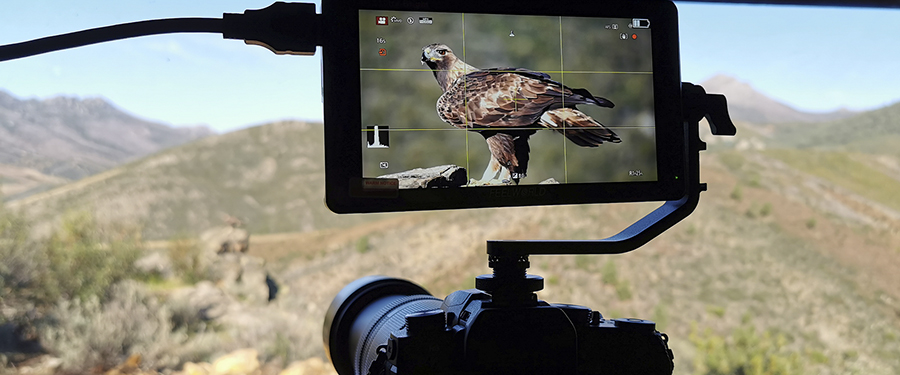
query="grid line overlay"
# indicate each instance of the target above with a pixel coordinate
(508, 71)
(562, 74)
(494, 129)
(466, 86)
(561, 78)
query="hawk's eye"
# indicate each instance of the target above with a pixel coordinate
(442, 52)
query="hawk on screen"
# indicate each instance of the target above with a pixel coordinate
(507, 106)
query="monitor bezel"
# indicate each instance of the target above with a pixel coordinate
(342, 113)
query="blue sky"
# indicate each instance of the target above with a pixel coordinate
(815, 59)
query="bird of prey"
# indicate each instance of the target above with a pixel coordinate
(507, 106)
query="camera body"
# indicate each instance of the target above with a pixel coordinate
(382, 325)
(481, 336)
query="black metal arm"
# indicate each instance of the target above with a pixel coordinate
(696, 105)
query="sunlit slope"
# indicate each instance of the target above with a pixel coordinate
(271, 177)
(876, 132)
(871, 177)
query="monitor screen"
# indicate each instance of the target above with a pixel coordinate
(505, 99)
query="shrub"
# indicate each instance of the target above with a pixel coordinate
(73, 290)
(610, 276)
(751, 212)
(583, 261)
(691, 229)
(362, 244)
(718, 311)
(737, 193)
(79, 260)
(87, 334)
(744, 352)
(76, 266)
(24, 271)
(661, 317)
(623, 290)
(185, 255)
(85, 259)
(811, 223)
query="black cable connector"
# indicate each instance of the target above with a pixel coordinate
(283, 28)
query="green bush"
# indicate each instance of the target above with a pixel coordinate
(661, 317)
(623, 290)
(583, 262)
(744, 352)
(89, 334)
(80, 261)
(85, 259)
(73, 291)
(811, 223)
(362, 244)
(755, 210)
(185, 255)
(24, 271)
(737, 193)
(718, 311)
(610, 275)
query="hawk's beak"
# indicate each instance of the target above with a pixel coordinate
(425, 54)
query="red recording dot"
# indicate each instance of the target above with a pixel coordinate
(634, 36)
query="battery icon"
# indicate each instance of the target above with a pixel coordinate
(640, 23)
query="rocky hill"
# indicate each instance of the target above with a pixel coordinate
(45, 141)
(270, 177)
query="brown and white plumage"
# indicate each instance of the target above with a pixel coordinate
(508, 105)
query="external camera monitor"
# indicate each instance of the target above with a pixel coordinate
(436, 105)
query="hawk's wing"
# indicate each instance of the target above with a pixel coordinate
(507, 97)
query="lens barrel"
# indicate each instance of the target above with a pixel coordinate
(363, 315)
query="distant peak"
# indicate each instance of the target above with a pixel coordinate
(7, 98)
(745, 103)
(722, 83)
(721, 78)
(88, 105)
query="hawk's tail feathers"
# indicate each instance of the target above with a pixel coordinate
(578, 127)
(589, 98)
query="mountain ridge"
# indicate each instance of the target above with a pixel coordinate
(268, 176)
(746, 103)
(72, 138)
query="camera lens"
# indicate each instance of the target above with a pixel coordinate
(363, 315)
